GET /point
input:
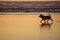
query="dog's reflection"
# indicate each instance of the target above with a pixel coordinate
(46, 25)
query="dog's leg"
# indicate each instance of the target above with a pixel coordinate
(44, 21)
(41, 21)
(51, 19)
(47, 20)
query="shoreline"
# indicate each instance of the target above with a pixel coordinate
(26, 13)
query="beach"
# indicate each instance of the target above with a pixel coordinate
(27, 26)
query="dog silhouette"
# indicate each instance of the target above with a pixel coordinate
(45, 18)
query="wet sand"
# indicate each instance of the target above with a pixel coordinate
(28, 27)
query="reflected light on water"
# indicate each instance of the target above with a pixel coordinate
(28, 27)
(46, 25)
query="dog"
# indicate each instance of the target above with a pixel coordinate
(45, 18)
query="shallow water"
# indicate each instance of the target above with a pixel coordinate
(28, 27)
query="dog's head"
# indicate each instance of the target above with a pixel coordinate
(41, 15)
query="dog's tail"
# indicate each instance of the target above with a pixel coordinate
(49, 15)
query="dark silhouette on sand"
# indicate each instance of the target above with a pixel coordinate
(45, 18)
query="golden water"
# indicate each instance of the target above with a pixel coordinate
(28, 27)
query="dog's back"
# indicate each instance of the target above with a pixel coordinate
(47, 17)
